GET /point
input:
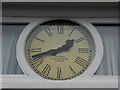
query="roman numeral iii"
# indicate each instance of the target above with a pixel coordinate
(83, 50)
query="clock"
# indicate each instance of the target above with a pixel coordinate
(59, 49)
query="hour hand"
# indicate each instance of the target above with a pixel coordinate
(65, 47)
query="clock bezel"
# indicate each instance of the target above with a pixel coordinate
(32, 25)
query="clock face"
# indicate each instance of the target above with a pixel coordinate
(59, 49)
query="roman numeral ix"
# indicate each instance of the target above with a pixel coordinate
(36, 50)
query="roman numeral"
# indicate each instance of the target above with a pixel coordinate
(83, 50)
(46, 70)
(49, 32)
(81, 61)
(39, 39)
(37, 61)
(59, 73)
(73, 72)
(60, 29)
(36, 50)
(71, 32)
(80, 39)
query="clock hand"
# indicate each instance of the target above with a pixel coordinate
(65, 47)
(44, 53)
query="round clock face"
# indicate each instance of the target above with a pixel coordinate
(59, 49)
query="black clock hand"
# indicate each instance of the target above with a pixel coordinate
(43, 53)
(67, 46)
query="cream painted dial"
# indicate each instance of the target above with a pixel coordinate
(59, 51)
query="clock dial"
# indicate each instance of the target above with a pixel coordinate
(59, 51)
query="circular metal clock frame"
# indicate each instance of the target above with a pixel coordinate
(31, 26)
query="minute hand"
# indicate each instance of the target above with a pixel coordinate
(44, 53)
(65, 47)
